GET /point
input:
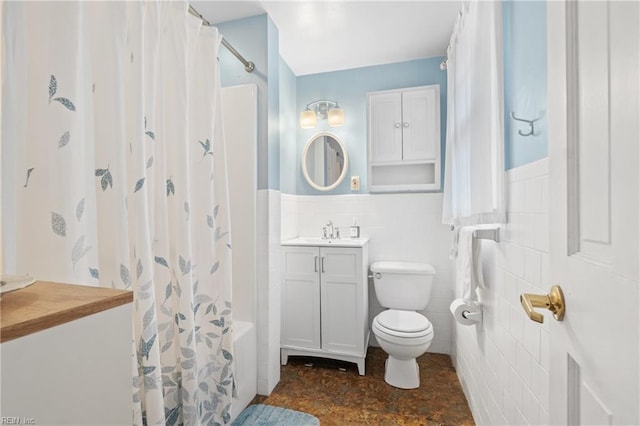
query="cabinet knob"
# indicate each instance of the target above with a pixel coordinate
(397, 125)
(406, 124)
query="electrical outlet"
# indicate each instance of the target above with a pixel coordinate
(355, 183)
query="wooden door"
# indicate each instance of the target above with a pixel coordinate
(594, 116)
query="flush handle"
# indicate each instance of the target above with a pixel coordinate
(315, 264)
(554, 301)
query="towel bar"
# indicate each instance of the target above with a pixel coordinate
(487, 234)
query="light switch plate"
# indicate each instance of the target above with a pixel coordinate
(355, 183)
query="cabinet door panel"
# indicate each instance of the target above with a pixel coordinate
(385, 126)
(301, 298)
(300, 261)
(340, 325)
(421, 124)
(299, 315)
(340, 262)
(342, 300)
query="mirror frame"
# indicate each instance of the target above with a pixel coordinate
(305, 171)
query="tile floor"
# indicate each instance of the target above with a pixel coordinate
(335, 393)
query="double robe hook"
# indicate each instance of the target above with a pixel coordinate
(529, 122)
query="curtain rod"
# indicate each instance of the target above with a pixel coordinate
(248, 65)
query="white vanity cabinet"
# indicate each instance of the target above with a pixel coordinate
(404, 139)
(325, 301)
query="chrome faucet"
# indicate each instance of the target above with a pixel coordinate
(327, 231)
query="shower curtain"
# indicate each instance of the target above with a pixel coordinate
(114, 175)
(474, 159)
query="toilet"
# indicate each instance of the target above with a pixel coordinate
(403, 333)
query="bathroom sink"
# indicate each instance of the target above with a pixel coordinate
(333, 242)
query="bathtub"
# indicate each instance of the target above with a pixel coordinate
(239, 119)
(246, 365)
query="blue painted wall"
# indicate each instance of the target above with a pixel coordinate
(273, 59)
(256, 38)
(288, 130)
(525, 80)
(349, 88)
(280, 149)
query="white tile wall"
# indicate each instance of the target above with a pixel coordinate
(503, 365)
(275, 278)
(269, 277)
(404, 227)
(289, 216)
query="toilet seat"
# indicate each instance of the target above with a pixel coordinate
(403, 321)
(408, 339)
(387, 325)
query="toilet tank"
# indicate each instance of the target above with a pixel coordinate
(403, 285)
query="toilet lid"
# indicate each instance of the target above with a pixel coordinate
(403, 321)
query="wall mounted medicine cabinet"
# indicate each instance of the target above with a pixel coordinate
(404, 139)
(325, 306)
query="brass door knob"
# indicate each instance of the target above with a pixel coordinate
(554, 301)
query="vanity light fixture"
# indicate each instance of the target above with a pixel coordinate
(327, 110)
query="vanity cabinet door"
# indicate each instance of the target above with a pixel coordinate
(325, 303)
(301, 297)
(342, 300)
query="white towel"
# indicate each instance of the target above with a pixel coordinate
(455, 234)
(469, 264)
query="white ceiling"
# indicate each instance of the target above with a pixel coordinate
(322, 36)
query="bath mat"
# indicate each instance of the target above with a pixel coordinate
(266, 415)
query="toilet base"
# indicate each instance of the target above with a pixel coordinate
(402, 373)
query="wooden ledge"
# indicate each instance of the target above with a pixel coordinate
(46, 304)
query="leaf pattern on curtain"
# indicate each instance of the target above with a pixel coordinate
(206, 146)
(58, 224)
(124, 197)
(80, 209)
(79, 251)
(29, 171)
(149, 133)
(106, 180)
(171, 188)
(95, 273)
(64, 139)
(53, 87)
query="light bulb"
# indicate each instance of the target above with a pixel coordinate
(336, 117)
(308, 119)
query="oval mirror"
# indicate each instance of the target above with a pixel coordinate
(324, 161)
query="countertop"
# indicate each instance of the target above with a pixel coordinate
(45, 304)
(326, 242)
